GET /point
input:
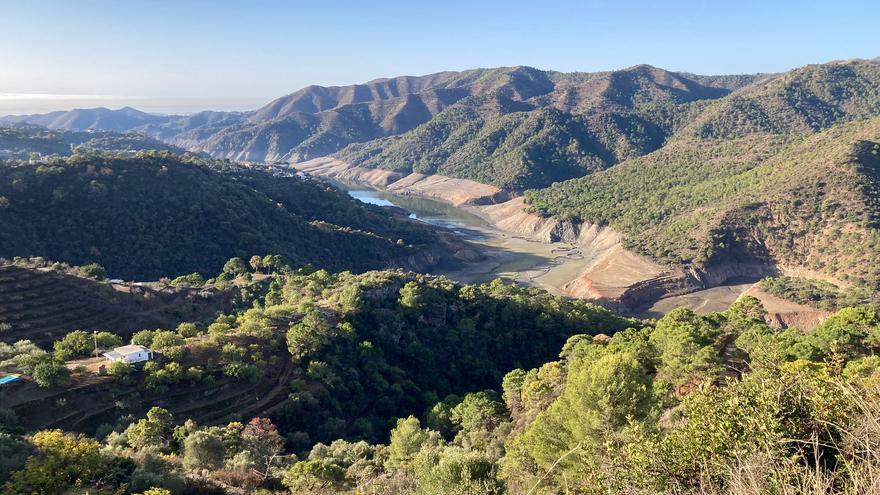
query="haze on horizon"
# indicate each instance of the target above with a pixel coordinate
(182, 57)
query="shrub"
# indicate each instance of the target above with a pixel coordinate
(187, 330)
(107, 340)
(190, 280)
(119, 370)
(93, 270)
(49, 372)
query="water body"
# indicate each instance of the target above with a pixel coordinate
(425, 210)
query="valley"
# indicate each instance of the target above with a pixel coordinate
(527, 254)
(496, 281)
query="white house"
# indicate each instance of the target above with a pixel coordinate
(130, 354)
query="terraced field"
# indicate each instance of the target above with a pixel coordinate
(42, 305)
(92, 400)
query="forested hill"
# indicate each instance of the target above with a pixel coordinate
(781, 172)
(155, 215)
(20, 141)
(534, 127)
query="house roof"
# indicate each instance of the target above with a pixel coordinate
(112, 355)
(129, 349)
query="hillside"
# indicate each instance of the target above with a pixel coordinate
(543, 127)
(804, 200)
(43, 303)
(804, 100)
(319, 349)
(156, 215)
(393, 382)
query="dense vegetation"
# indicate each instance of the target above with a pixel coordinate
(428, 388)
(804, 100)
(535, 128)
(818, 293)
(155, 214)
(363, 350)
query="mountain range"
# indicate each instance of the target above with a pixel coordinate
(471, 123)
(693, 170)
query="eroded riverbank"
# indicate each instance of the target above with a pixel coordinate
(506, 255)
(578, 260)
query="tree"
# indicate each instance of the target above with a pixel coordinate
(203, 449)
(194, 279)
(235, 266)
(13, 454)
(314, 477)
(455, 471)
(74, 344)
(152, 431)
(479, 411)
(65, 460)
(187, 330)
(601, 396)
(407, 438)
(439, 417)
(412, 296)
(119, 370)
(307, 336)
(256, 263)
(686, 343)
(144, 338)
(274, 263)
(848, 332)
(265, 444)
(165, 339)
(107, 340)
(49, 372)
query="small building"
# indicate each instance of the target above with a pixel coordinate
(129, 354)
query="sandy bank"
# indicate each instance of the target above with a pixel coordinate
(449, 189)
(783, 314)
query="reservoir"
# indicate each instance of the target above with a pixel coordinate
(436, 213)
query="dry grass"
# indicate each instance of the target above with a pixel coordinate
(856, 471)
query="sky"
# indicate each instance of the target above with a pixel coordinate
(181, 56)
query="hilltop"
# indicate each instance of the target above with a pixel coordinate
(104, 119)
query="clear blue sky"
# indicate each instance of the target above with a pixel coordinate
(183, 55)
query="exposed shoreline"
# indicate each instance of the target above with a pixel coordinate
(578, 260)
